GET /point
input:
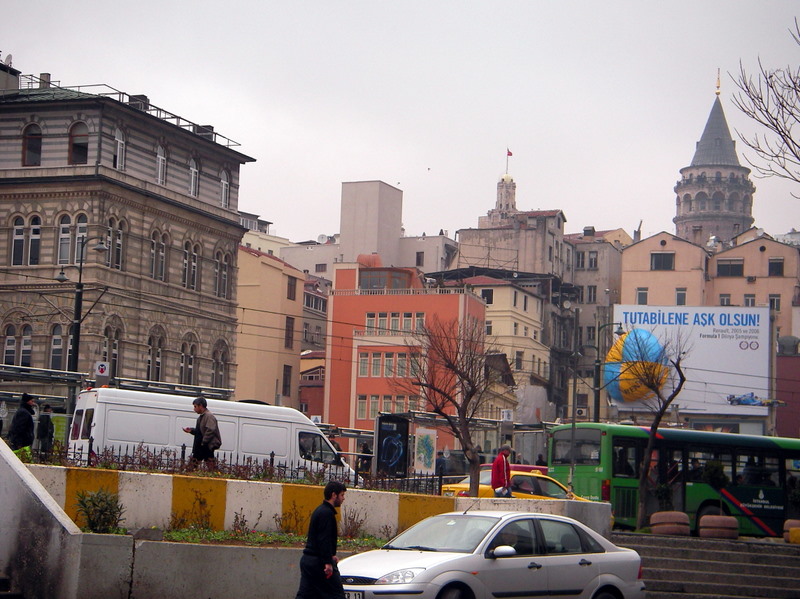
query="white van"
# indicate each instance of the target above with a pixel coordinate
(123, 419)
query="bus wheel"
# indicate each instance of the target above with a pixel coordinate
(707, 510)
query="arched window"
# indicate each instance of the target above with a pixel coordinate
(27, 346)
(26, 241)
(34, 241)
(18, 242)
(114, 243)
(57, 347)
(32, 145)
(224, 190)
(119, 150)
(190, 266)
(111, 350)
(188, 357)
(221, 270)
(194, 178)
(219, 366)
(64, 238)
(158, 256)
(155, 349)
(81, 231)
(161, 166)
(79, 144)
(10, 345)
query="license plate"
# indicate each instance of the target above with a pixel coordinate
(354, 595)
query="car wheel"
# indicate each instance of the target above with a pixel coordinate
(604, 595)
(453, 593)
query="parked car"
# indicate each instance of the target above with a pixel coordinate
(524, 485)
(483, 554)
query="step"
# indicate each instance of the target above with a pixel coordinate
(689, 589)
(723, 580)
(786, 568)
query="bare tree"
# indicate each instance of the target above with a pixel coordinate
(454, 372)
(772, 99)
(654, 369)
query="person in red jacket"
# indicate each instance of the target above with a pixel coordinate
(501, 472)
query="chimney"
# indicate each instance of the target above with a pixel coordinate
(139, 101)
(588, 231)
(637, 235)
(205, 131)
(44, 80)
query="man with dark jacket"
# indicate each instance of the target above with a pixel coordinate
(45, 430)
(21, 432)
(319, 576)
(206, 433)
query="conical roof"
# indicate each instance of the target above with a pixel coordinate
(716, 147)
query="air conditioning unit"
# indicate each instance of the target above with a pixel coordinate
(581, 412)
(751, 279)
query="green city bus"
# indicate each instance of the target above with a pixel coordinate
(755, 478)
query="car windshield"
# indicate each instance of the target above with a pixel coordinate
(458, 533)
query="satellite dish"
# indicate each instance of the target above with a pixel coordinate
(7, 61)
(322, 238)
(566, 304)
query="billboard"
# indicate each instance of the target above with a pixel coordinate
(726, 352)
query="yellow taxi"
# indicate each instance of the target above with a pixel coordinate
(524, 485)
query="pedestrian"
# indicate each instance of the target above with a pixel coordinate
(319, 574)
(501, 472)
(365, 459)
(21, 432)
(540, 461)
(45, 430)
(206, 433)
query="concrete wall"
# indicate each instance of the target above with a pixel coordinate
(45, 555)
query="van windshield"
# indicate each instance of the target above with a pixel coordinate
(315, 447)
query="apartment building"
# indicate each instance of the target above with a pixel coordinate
(270, 315)
(156, 195)
(373, 311)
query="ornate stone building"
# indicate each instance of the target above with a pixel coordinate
(714, 196)
(84, 169)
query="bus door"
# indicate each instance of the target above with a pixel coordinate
(792, 485)
(626, 458)
(709, 475)
(670, 476)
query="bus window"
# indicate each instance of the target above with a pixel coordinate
(757, 471)
(586, 450)
(76, 425)
(792, 474)
(624, 460)
(86, 430)
(700, 466)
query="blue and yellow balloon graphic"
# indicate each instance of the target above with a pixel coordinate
(635, 358)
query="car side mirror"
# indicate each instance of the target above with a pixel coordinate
(503, 551)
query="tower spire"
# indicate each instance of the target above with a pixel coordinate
(718, 81)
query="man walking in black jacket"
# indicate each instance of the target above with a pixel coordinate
(319, 576)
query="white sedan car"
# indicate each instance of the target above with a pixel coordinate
(478, 555)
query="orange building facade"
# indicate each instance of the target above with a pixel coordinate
(372, 313)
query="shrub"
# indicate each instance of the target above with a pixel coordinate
(101, 509)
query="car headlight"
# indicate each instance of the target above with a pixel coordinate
(403, 576)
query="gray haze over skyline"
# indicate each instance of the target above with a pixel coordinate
(601, 104)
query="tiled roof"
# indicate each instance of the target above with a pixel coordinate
(47, 94)
(716, 147)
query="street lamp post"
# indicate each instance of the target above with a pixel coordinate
(77, 313)
(596, 386)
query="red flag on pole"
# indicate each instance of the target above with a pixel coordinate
(508, 152)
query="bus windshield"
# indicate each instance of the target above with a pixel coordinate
(587, 446)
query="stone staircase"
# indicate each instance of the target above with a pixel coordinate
(693, 568)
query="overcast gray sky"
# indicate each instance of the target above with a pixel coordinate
(601, 103)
